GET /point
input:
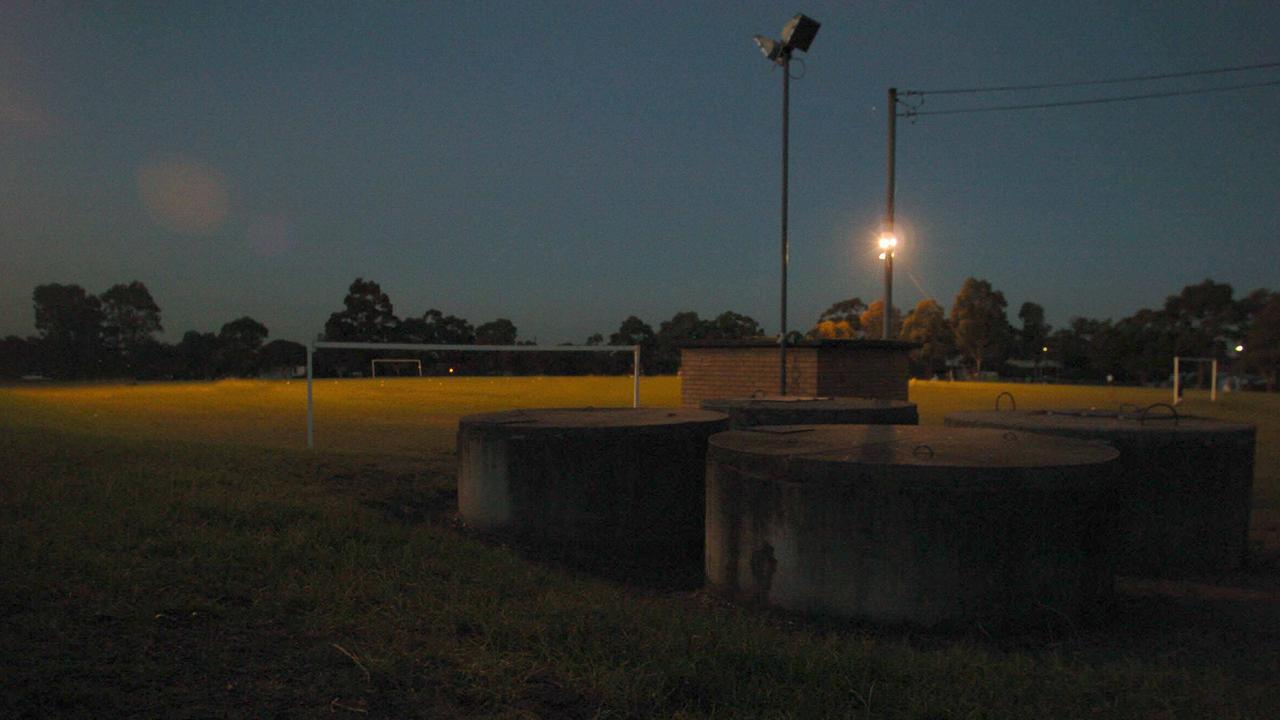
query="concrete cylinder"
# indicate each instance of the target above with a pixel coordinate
(793, 410)
(915, 525)
(1188, 482)
(595, 484)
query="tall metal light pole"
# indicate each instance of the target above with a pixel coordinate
(888, 238)
(797, 34)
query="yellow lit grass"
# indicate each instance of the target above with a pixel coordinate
(400, 415)
(410, 416)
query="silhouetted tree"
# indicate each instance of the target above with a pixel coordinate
(927, 324)
(1262, 346)
(1033, 333)
(238, 344)
(367, 316)
(730, 325)
(978, 319)
(281, 356)
(130, 318)
(682, 327)
(17, 357)
(496, 332)
(634, 331)
(70, 324)
(196, 355)
(1201, 315)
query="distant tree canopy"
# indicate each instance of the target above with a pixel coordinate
(841, 321)
(367, 315)
(113, 335)
(131, 318)
(69, 321)
(927, 325)
(496, 332)
(1034, 331)
(978, 320)
(82, 335)
(1262, 346)
(872, 321)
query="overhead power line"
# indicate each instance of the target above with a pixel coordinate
(1108, 81)
(913, 112)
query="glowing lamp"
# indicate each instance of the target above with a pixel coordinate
(888, 242)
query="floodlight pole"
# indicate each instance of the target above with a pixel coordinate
(888, 214)
(785, 62)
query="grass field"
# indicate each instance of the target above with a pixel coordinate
(173, 550)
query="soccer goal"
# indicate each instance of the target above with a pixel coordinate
(315, 346)
(1177, 376)
(373, 364)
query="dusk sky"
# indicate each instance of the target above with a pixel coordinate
(566, 165)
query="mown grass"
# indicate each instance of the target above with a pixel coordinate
(173, 551)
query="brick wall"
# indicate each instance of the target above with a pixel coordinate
(869, 373)
(842, 370)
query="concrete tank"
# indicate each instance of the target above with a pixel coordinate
(907, 524)
(1188, 480)
(794, 410)
(596, 484)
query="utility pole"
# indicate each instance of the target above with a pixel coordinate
(785, 62)
(888, 215)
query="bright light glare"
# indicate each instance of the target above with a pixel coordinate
(1239, 348)
(1044, 349)
(881, 256)
(888, 241)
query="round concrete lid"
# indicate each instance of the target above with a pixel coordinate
(806, 402)
(591, 417)
(1098, 422)
(911, 446)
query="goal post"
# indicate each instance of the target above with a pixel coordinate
(1177, 376)
(373, 364)
(313, 346)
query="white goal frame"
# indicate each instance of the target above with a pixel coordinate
(373, 364)
(1177, 376)
(313, 346)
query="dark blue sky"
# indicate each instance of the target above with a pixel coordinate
(568, 164)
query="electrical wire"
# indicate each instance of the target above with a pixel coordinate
(1083, 83)
(912, 112)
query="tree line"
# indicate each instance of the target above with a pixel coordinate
(1203, 320)
(81, 336)
(368, 315)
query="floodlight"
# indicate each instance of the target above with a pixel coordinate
(772, 49)
(888, 241)
(1239, 348)
(799, 32)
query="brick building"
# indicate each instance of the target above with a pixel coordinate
(822, 368)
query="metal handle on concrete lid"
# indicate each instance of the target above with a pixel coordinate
(922, 451)
(1013, 404)
(1010, 435)
(1142, 416)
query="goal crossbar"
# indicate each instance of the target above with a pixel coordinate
(312, 347)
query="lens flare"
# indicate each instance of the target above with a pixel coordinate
(183, 195)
